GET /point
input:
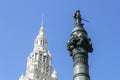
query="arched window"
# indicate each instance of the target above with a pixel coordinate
(35, 55)
(41, 42)
(40, 57)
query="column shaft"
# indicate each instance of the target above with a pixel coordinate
(81, 68)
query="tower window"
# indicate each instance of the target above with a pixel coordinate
(41, 42)
(41, 78)
(35, 55)
(37, 76)
(44, 59)
(40, 57)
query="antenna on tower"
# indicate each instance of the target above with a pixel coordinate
(42, 20)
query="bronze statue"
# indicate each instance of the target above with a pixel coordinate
(77, 17)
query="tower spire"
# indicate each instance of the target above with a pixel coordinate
(42, 27)
(42, 20)
(41, 41)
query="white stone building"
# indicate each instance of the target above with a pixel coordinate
(39, 65)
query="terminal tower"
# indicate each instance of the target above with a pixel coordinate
(39, 62)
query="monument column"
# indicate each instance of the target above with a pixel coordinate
(78, 46)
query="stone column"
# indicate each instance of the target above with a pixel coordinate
(78, 46)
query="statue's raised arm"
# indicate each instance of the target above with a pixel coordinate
(77, 17)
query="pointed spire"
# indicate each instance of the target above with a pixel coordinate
(42, 28)
(40, 41)
(42, 20)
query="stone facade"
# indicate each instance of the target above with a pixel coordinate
(39, 65)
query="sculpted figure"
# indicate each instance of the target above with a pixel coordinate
(77, 17)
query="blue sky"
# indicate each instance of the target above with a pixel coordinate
(20, 21)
